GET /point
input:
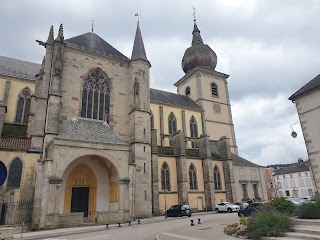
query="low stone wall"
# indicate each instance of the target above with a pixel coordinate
(64, 220)
(119, 216)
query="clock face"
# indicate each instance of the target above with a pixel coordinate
(217, 108)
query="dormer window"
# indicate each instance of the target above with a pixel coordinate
(214, 90)
(187, 91)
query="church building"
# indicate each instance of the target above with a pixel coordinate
(85, 139)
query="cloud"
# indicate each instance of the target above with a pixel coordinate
(268, 47)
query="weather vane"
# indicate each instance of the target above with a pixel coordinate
(194, 13)
(92, 24)
(137, 15)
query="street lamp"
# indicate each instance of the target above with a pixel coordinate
(293, 133)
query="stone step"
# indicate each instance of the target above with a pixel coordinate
(307, 229)
(308, 222)
(305, 236)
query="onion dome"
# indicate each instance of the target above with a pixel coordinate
(198, 54)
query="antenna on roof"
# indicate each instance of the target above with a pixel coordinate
(92, 24)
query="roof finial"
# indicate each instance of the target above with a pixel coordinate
(60, 36)
(137, 15)
(92, 24)
(194, 14)
(50, 37)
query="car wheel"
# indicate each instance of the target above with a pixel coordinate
(229, 210)
(217, 210)
(179, 215)
(189, 215)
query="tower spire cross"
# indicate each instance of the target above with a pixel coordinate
(194, 13)
(137, 15)
(92, 25)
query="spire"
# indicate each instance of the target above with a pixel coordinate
(196, 40)
(50, 37)
(60, 36)
(138, 51)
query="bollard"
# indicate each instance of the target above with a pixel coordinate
(139, 221)
(107, 226)
(192, 224)
(129, 223)
(199, 221)
(119, 225)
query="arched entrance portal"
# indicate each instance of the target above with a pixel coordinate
(81, 192)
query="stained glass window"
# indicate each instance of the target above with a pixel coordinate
(15, 171)
(193, 177)
(95, 96)
(23, 106)
(172, 123)
(165, 177)
(193, 130)
(217, 179)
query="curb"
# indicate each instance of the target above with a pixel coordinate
(100, 228)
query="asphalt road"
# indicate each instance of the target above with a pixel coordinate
(211, 227)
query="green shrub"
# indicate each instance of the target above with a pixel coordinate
(244, 220)
(269, 222)
(283, 205)
(308, 211)
(318, 203)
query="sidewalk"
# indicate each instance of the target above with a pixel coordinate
(60, 232)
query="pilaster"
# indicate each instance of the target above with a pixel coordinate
(179, 145)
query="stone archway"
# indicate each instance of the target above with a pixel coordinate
(81, 177)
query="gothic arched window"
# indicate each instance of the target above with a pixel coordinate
(193, 130)
(152, 121)
(95, 96)
(172, 123)
(14, 176)
(214, 89)
(217, 178)
(165, 177)
(193, 177)
(23, 107)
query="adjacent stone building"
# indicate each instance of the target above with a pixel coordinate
(87, 140)
(294, 180)
(307, 101)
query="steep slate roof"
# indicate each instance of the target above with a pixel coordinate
(312, 85)
(294, 168)
(15, 143)
(138, 51)
(91, 42)
(239, 161)
(18, 68)
(89, 130)
(159, 96)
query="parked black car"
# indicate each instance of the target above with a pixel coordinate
(248, 211)
(179, 211)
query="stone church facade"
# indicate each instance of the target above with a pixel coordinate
(85, 138)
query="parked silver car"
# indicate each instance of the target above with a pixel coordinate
(227, 207)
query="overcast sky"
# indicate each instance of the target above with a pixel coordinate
(270, 49)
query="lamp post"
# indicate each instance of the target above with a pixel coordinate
(293, 133)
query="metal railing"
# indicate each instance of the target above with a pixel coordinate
(16, 213)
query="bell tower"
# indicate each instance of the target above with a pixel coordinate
(208, 88)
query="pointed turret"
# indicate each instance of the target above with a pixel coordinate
(196, 40)
(138, 51)
(50, 37)
(60, 37)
